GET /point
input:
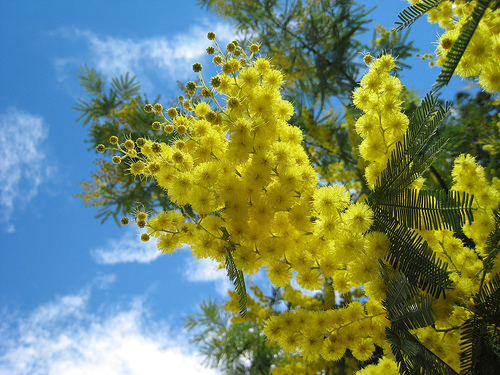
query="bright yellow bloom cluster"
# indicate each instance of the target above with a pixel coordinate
(327, 334)
(468, 176)
(289, 330)
(383, 123)
(482, 55)
(245, 188)
(241, 168)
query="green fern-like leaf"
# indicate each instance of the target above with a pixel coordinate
(410, 254)
(480, 334)
(428, 209)
(493, 245)
(91, 80)
(406, 309)
(457, 50)
(125, 87)
(415, 154)
(238, 280)
(86, 108)
(413, 357)
(413, 12)
(488, 301)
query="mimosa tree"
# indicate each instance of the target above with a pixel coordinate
(248, 197)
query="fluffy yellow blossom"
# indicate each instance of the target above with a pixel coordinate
(246, 193)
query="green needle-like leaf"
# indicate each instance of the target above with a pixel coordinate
(457, 50)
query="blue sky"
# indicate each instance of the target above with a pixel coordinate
(78, 297)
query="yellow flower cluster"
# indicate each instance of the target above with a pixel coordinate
(482, 55)
(326, 334)
(241, 168)
(468, 176)
(244, 186)
(291, 330)
(243, 171)
(465, 263)
(383, 123)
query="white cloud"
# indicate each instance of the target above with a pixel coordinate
(23, 163)
(167, 57)
(63, 337)
(207, 270)
(127, 249)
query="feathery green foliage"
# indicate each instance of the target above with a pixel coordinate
(398, 209)
(234, 348)
(410, 254)
(429, 209)
(238, 280)
(413, 357)
(122, 89)
(406, 308)
(453, 57)
(415, 154)
(413, 12)
(480, 336)
(493, 245)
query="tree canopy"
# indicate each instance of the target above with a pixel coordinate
(255, 181)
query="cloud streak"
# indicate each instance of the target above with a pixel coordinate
(207, 270)
(161, 57)
(64, 337)
(128, 249)
(23, 163)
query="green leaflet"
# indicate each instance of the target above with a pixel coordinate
(429, 209)
(416, 153)
(125, 87)
(410, 254)
(413, 357)
(480, 336)
(238, 280)
(406, 307)
(122, 89)
(413, 12)
(453, 57)
(91, 80)
(493, 245)
(398, 208)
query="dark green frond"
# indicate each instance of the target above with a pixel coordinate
(405, 308)
(410, 254)
(415, 154)
(493, 244)
(480, 336)
(212, 317)
(125, 87)
(413, 357)
(480, 347)
(87, 109)
(488, 301)
(414, 12)
(91, 80)
(429, 209)
(494, 238)
(457, 50)
(238, 280)
(425, 120)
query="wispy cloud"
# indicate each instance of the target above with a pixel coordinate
(24, 165)
(127, 249)
(65, 337)
(168, 58)
(207, 270)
